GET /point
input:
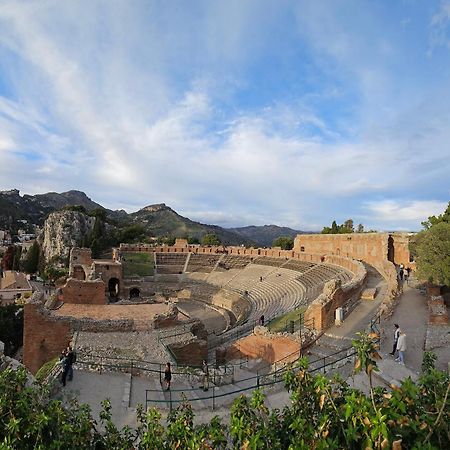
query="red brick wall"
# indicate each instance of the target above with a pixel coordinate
(44, 337)
(84, 292)
(192, 353)
(369, 247)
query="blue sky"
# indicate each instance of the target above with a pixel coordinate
(241, 112)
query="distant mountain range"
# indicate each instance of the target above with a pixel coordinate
(158, 220)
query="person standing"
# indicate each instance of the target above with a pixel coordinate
(401, 347)
(70, 355)
(396, 336)
(167, 376)
(205, 369)
(65, 366)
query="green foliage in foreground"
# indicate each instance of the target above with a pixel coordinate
(324, 414)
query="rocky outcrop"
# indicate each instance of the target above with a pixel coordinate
(64, 230)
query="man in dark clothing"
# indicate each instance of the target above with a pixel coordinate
(396, 335)
(70, 354)
(67, 359)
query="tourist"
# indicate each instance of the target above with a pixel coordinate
(260, 278)
(401, 347)
(205, 369)
(64, 360)
(400, 273)
(396, 335)
(408, 271)
(70, 355)
(167, 376)
(261, 320)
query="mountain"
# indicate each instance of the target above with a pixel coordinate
(35, 208)
(158, 219)
(266, 234)
(161, 220)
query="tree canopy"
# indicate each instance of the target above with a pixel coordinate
(285, 242)
(210, 239)
(433, 253)
(346, 227)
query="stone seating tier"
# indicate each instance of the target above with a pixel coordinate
(267, 261)
(234, 262)
(202, 263)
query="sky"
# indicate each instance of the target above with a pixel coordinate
(235, 113)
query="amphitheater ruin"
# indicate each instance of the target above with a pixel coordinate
(185, 304)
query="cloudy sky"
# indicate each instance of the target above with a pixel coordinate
(231, 112)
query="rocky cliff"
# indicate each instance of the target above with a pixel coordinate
(64, 230)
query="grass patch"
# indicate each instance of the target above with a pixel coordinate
(138, 264)
(45, 370)
(281, 323)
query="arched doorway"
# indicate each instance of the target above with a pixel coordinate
(113, 287)
(390, 252)
(135, 293)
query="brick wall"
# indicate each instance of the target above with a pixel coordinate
(369, 247)
(44, 336)
(193, 353)
(84, 292)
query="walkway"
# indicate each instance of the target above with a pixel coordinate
(126, 391)
(411, 313)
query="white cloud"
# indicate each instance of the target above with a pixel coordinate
(405, 214)
(134, 111)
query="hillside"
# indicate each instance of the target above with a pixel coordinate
(161, 220)
(265, 234)
(35, 208)
(158, 220)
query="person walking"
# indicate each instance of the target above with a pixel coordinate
(167, 376)
(401, 347)
(70, 355)
(205, 369)
(396, 335)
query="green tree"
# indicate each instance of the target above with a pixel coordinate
(32, 259)
(210, 239)
(360, 228)
(285, 242)
(433, 220)
(433, 253)
(334, 228)
(17, 256)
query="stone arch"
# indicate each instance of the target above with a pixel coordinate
(135, 292)
(114, 287)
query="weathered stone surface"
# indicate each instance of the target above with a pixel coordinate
(64, 230)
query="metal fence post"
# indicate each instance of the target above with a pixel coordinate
(214, 398)
(170, 400)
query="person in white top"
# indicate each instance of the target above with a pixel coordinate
(401, 348)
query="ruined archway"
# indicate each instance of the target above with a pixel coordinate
(113, 287)
(390, 251)
(135, 293)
